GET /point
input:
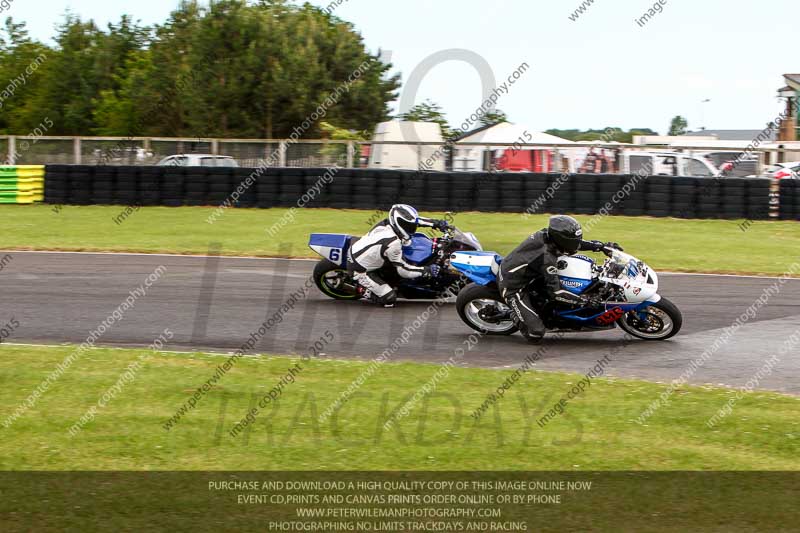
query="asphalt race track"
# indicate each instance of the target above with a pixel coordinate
(215, 304)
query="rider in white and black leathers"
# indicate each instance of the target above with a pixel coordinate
(535, 262)
(384, 244)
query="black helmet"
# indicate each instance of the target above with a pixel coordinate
(566, 233)
(404, 220)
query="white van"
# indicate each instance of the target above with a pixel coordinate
(667, 164)
(408, 156)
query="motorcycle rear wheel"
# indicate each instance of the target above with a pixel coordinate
(662, 321)
(335, 281)
(476, 305)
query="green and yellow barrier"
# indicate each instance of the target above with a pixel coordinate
(23, 184)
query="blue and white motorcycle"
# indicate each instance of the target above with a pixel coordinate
(623, 292)
(332, 277)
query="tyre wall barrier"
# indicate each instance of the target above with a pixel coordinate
(23, 184)
(790, 199)
(657, 196)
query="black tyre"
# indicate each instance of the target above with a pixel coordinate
(659, 322)
(483, 309)
(335, 281)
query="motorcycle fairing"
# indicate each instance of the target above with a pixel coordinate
(574, 285)
(638, 282)
(419, 251)
(335, 246)
(331, 246)
(480, 267)
(574, 314)
(575, 273)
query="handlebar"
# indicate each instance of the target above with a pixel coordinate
(610, 247)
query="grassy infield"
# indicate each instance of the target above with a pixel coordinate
(598, 431)
(667, 244)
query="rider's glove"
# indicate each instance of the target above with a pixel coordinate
(441, 225)
(614, 245)
(431, 272)
(596, 246)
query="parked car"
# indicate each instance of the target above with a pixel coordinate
(790, 170)
(724, 160)
(122, 155)
(198, 160)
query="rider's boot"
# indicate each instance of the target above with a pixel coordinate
(533, 338)
(387, 301)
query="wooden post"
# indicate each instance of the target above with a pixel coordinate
(282, 153)
(12, 150)
(76, 149)
(351, 150)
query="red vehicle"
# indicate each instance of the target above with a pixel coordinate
(785, 170)
(525, 161)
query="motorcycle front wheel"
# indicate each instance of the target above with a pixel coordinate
(335, 281)
(483, 309)
(659, 322)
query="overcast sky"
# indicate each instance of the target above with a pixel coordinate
(603, 69)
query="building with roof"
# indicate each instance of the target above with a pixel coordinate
(730, 135)
(476, 150)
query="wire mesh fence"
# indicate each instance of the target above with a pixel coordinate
(158, 149)
(41, 151)
(591, 158)
(310, 155)
(251, 154)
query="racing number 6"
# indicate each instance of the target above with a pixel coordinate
(335, 255)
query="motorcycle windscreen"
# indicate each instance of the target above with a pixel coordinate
(467, 239)
(419, 251)
(331, 246)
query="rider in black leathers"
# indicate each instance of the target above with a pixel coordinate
(534, 262)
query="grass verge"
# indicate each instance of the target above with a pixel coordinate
(718, 246)
(597, 431)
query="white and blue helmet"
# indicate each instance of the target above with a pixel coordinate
(404, 220)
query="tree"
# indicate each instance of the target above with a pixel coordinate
(493, 117)
(18, 55)
(678, 126)
(334, 133)
(610, 134)
(273, 69)
(428, 111)
(231, 69)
